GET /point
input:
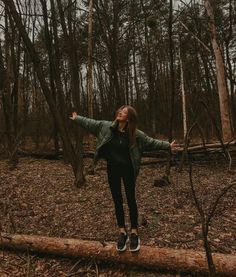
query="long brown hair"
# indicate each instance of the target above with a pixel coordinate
(132, 122)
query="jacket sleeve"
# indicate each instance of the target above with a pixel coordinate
(149, 144)
(90, 125)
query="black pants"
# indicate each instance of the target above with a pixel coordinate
(115, 175)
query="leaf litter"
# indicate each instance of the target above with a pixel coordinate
(39, 198)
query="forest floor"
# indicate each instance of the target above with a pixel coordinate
(39, 198)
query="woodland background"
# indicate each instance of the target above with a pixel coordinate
(174, 61)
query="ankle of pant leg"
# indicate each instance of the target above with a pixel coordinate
(134, 230)
(122, 230)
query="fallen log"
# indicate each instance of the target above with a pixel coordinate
(212, 145)
(148, 257)
(197, 152)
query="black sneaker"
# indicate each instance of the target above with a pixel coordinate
(121, 242)
(134, 244)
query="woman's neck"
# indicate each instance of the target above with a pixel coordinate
(121, 126)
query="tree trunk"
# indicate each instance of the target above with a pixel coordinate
(90, 60)
(69, 35)
(226, 122)
(150, 257)
(182, 87)
(228, 35)
(109, 16)
(8, 95)
(60, 120)
(52, 69)
(172, 71)
(149, 71)
(90, 68)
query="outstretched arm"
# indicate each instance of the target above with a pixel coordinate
(91, 125)
(150, 144)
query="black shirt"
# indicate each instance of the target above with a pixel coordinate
(116, 151)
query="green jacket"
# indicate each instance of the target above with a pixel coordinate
(103, 131)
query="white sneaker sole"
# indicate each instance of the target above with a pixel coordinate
(121, 250)
(137, 248)
(124, 248)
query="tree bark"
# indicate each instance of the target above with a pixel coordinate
(149, 70)
(90, 69)
(69, 35)
(182, 88)
(172, 70)
(52, 68)
(90, 60)
(150, 257)
(108, 17)
(9, 93)
(59, 119)
(227, 128)
(228, 37)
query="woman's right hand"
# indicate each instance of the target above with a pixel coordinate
(74, 114)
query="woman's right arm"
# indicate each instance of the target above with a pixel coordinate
(91, 125)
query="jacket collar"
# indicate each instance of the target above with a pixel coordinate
(114, 125)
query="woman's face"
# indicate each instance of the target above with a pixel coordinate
(122, 115)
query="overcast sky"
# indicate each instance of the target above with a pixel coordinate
(178, 2)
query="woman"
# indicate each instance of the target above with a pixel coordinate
(122, 145)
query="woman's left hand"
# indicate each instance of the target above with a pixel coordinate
(173, 145)
(74, 114)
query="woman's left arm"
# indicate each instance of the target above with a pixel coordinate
(149, 144)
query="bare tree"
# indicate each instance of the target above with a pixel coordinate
(172, 71)
(182, 87)
(228, 38)
(90, 60)
(9, 88)
(60, 120)
(206, 219)
(226, 121)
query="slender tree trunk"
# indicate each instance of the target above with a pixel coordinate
(68, 33)
(74, 70)
(9, 95)
(15, 62)
(90, 60)
(149, 70)
(227, 129)
(48, 41)
(110, 12)
(2, 70)
(63, 128)
(172, 74)
(90, 69)
(136, 84)
(228, 39)
(207, 246)
(172, 88)
(184, 110)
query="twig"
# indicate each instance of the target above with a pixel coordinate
(223, 192)
(74, 266)
(97, 270)
(186, 144)
(184, 241)
(28, 263)
(199, 208)
(205, 226)
(202, 43)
